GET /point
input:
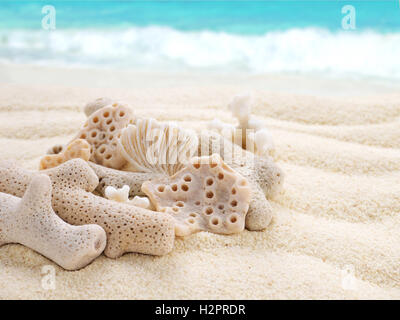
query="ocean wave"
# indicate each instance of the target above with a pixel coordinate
(366, 53)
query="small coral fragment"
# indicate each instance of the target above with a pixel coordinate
(102, 130)
(78, 148)
(119, 195)
(32, 222)
(205, 195)
(122, 195)
(142, 202)
(150, 146)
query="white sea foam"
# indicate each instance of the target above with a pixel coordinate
(365, 53)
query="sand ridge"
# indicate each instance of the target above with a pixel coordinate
(340, 205)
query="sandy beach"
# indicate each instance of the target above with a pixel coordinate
(338, 141)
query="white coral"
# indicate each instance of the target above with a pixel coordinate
(122, 195)
(142, 202)
(119, 195)
(255, 137)
(219, 126)
(241, 107)
(263, 142)
(151, 146)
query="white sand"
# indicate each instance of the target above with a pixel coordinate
(338, 142)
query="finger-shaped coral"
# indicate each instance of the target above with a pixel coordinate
(97, 104)
(128, 228)
(261, 172)
(78, 148)
(102, 130)
(32, 222)
(205, 195)
(151, 146)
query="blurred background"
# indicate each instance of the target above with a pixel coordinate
(215, 36)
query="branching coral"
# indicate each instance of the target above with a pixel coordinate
(32, 222)
(249, 133)
(129, 228)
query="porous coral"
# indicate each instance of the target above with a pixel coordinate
(129, 228)
(264, 176)
(102, 130)
(32, 222)
(205, 195)
(151, 146)
(97, 104)
(78, 148)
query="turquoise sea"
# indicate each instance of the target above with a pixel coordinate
(250, 36)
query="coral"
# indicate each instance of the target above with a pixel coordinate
(117, 179)
(122, 195)
(241, 109)
(150, 146)
(250, 133)
(55, 149)
(97, 104)
(142, 202)
(220, 126)
(102, 130)
(254, 137)
(261, 142)
(117, 194)
(264, 176)
(78, 148)
(32, 222)
(205, 195)
(129, 228)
